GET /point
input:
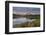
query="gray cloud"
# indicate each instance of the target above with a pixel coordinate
(26, 9)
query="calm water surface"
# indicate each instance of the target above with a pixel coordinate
(21, 20)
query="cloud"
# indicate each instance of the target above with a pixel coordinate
(26, 9)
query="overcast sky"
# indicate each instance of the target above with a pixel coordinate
(26, 9)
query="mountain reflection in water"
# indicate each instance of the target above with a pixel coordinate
(21, 20)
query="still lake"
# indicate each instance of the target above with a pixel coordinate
(21, 20)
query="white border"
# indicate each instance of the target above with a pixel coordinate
(11, 5)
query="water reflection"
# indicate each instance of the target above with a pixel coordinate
(21, 20)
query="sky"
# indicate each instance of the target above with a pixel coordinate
(26, 9)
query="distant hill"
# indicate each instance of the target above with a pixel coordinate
(27, 13)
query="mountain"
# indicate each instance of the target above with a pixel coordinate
(25, 13)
